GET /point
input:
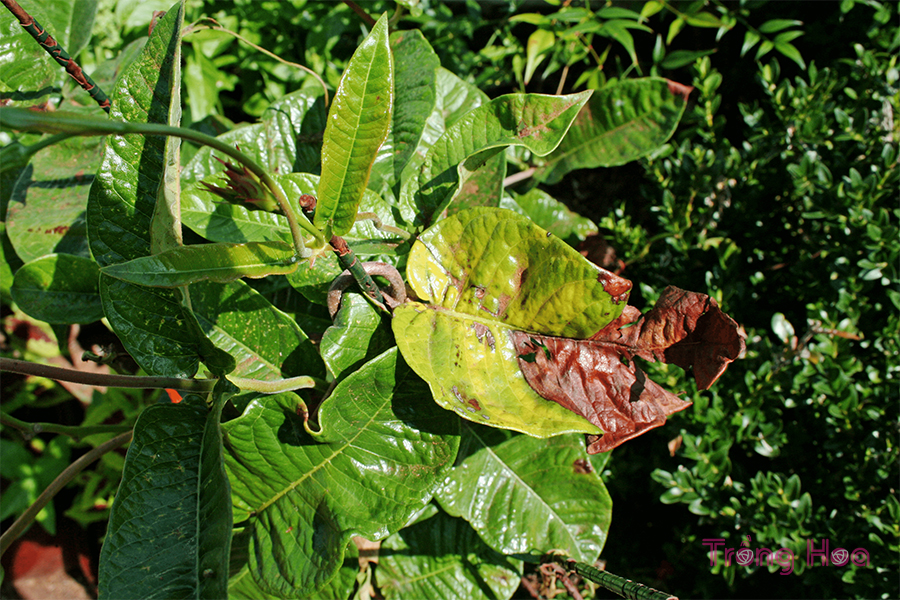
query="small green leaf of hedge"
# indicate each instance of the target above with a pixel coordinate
(358, 123)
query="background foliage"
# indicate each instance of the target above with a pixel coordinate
(776, 196)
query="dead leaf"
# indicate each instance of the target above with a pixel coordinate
(598, 379)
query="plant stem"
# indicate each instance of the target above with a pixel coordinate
(347, 259)
(56, 51)
(123, 381)
(26, 120)
(78, 433)
(625, 588)
(359, 11)
(27, 518)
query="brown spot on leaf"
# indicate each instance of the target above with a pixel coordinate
(582, 466)
(474, 404)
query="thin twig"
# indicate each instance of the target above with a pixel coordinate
(99, 379)
(216, 27)
(78, 433)
(359, 11)
(27, 518)
(56, 51)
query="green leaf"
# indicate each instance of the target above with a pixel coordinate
(554, 216)
(358, 122)
(442, 557)
(550, 480)
(123, 195)
(415, 95)
(619, 124)
(300, 494)
(535, 50)
(59, 288)
(287, 139)
(265, 342)
(169, 531)
(46, 211)
(773, 25)
(480, 180)
(151, 325)
(213, 262)
(534, 121)
(704, 19)
(165, 224)
(357, 335)
(750, 39)
(680, 58)
(790, 51)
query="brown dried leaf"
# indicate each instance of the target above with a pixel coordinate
(598, 379)
(684, 328)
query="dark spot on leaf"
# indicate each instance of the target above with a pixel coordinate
(582, 466)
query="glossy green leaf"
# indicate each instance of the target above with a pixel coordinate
(287, 139)
(47, 206)
(535, 50)
(9, 264)
(266, 343)
(170, 528)
(358, 335)
(123, 195)
(494, 264)
(470, 365)
(619, 124)
(358, 122)
(153, 320)
(498, 479)
(165, 224)
(59, 288)
(150, 322)
(553, 215)
(534, 121)
(382, 449)
(480, 180)
(415, 95)
(241, 586)
(442, 557)
(213, 262)
(773, 25)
